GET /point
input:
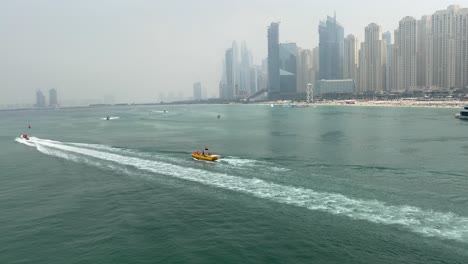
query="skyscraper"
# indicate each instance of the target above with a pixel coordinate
(331, 38)
(372, 58)
(424, 52)
(304, 69)
(461, 49)
(444, 43)
(387, 38)
(351, 57)
(244, 71)
(288, 68)
(53, 101)
(230, 83)
(273, 58)
(197, 91)
(407, 54)
(40, 99)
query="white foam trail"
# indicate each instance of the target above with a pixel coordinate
(238, 162)
(110, 118)
(444, 225)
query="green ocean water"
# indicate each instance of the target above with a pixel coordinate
(294, 185)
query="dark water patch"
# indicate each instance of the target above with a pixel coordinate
(281, 134)
(332, 135)
(408, 150)
(434, 139)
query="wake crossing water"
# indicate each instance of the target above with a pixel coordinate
(445, 225)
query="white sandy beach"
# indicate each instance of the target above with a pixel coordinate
(390, 103)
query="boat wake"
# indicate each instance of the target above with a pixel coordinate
(445, 225)
(110, 118)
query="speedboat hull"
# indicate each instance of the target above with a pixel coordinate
(205, 157)
(462, 117)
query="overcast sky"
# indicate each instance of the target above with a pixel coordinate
(135, 49)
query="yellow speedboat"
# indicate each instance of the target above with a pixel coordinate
(209, 157)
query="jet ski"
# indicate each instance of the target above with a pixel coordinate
(24, 136)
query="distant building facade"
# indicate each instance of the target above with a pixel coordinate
(351, 57)
(387, 38)
(53, 100)
(40, 99)
(331, 38)
(304, 70)
(197, 91)
(273, 58)
(288, 68)
(334, 88)
(372, 61)
(406, 67)
(424, 52)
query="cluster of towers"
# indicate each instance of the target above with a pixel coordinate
(41, 100)
(429, 53)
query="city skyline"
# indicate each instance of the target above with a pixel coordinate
(115, 49)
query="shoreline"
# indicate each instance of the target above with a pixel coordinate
(394, 103)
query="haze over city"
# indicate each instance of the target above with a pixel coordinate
(136, 51)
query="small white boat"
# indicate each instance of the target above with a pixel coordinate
(463, 115)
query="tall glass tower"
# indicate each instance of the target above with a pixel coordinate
(331, 48)
(273, 58)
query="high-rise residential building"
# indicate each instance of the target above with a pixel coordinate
(40, 99)
(351, 57)
(253, 80)
(362, 70)
(230, 77)
(315, 71)
(331, 41)
(395, 63)
(304, 70)
(232, 73)
(244, 71)
(387, 38)
(53, 101)
(273, 58)
(223, 82)
(461, 48)
(424, 52)
(288, 68)
(406, 68)
(372, 57)
(236, 70)
(444, 44)
(197, 91)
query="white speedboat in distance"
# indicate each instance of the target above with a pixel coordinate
(463, 113)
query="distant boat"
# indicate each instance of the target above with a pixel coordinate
(219, 116)
(463, 115)
(272, 105)
(108, 118)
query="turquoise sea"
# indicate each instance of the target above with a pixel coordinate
(326, 184)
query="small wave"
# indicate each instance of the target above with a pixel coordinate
(446, 225)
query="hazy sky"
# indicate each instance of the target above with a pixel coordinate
(135, 49)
